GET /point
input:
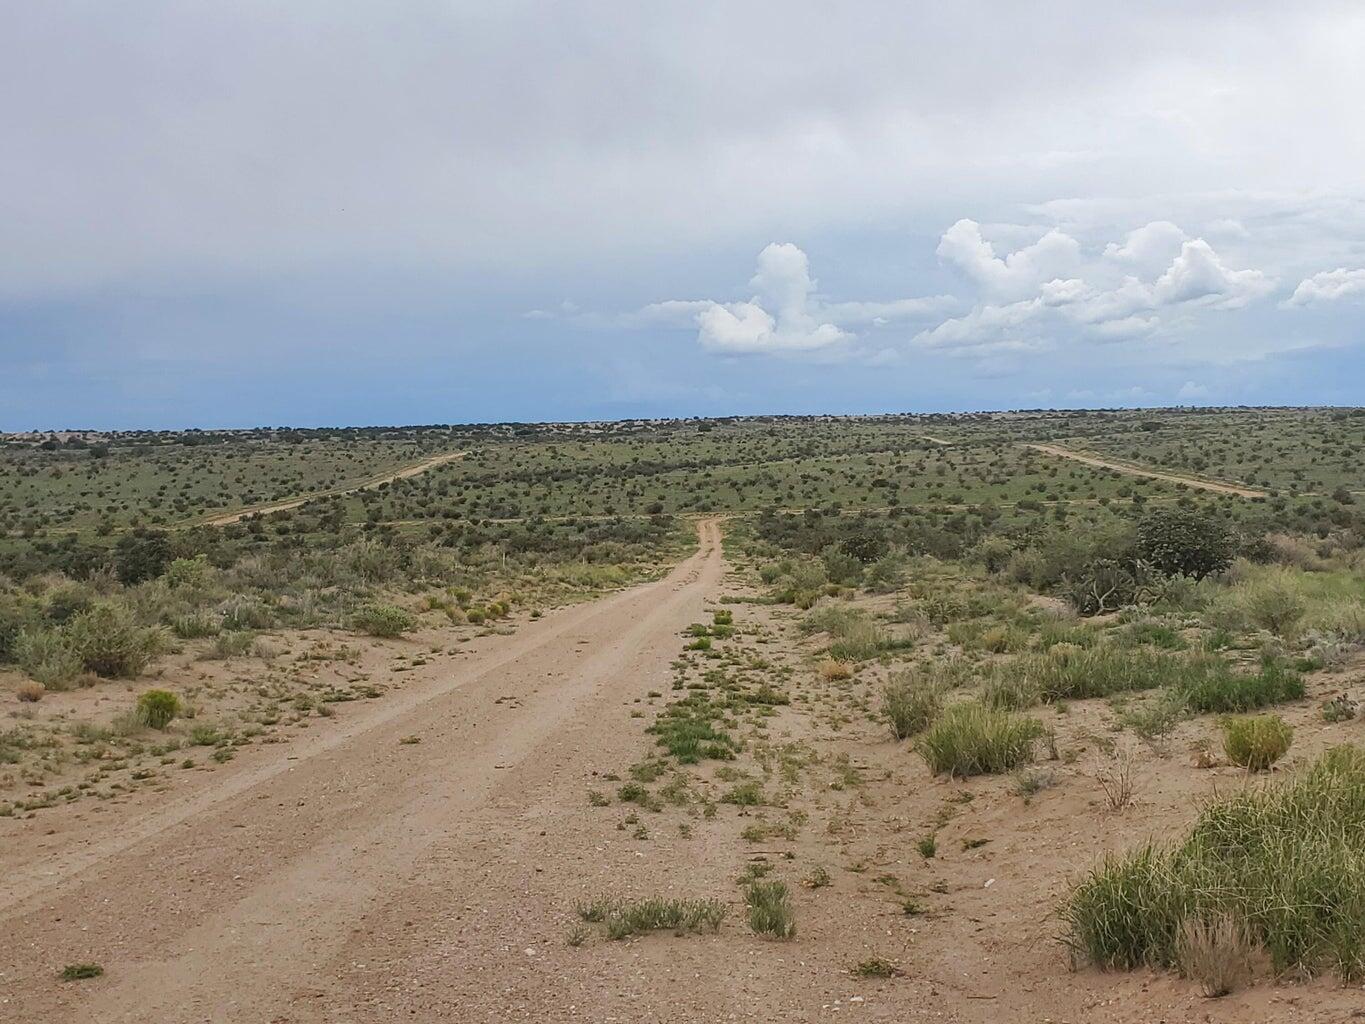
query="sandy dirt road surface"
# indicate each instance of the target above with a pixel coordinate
(363, 878)
(1122, 467)
(227, 518)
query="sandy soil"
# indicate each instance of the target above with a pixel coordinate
(349, 876)
(416, 469)
(1131, 470)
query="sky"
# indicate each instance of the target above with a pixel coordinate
(344, 213)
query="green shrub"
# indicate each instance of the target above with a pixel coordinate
(67, 601)
(111, 644)
(744, 794)
(1257, 742)
(770, 909)
(384, 620)
(910, 704)
(972, 739)
(1273, 605)
(1184, 542)
(156, 708)
(860, 642)
(1202, 681)
(45, 655)
(1283, 862)
(188, 573)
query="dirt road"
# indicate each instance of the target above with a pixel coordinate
(363, 878)
(415, 469)
(1123, 467)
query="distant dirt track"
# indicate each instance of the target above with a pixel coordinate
(1121, 467)
(228, 518)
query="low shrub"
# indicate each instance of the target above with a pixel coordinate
(384, 620)
(156, 708)
(689, 729)
(235, 644)
(831, 670)
(1273, 604)
(1257, 742)
(195, 625)
(971, 739)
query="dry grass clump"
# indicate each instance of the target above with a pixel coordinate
(1216, 953)
(832, 671)
(1284, 864)
(969, 738)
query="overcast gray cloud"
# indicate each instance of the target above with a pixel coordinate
(1041, 174)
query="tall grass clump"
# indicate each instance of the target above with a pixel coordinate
(770, 909)
(1008, 690)
(1228, 691)
(911, 704)
(1076, 673)
(1284, 864)
(1203, 681)
(1256, 742)
(971, 739)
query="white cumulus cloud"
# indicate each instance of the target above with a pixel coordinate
(1198, 274)
(1016, 274)
(1328, 286)
(785, 313)
(1126, 290)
